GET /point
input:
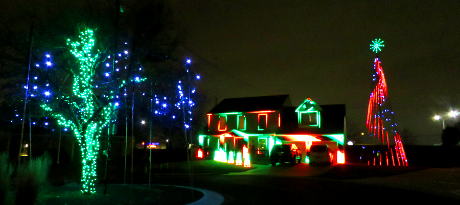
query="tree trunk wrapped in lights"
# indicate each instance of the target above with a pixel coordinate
(85, 112)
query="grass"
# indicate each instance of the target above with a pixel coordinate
(197, 167)
(120, 194)
(6, 170)
(364, 171)
(31, 179)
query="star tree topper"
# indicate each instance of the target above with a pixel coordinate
(377, 45)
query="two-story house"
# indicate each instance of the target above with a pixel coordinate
(243, 131)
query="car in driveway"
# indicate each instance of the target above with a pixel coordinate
(284, 153)
(320, 155)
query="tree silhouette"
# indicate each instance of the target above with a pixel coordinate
(450, 136)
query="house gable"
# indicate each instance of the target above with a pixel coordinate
(308, 114)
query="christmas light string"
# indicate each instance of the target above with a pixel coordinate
(380, 121)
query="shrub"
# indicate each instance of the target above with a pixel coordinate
(31, 178)
(5, 174)
(450, 136)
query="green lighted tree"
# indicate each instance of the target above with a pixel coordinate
(83, 110)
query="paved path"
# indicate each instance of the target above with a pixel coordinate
(209, 197)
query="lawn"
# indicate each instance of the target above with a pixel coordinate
(119, 194)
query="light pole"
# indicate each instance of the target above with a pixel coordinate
(438, 118)
(453, 114)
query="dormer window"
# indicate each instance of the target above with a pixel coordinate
(309, 118)
(309, 114)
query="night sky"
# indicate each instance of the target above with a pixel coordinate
(321, 50)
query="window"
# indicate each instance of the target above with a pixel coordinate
(262, 121)
(241, 122)
(261, 146)
(209, 121)
(309, 118)
(222, 126)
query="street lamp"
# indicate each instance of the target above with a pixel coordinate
(439, 117)
(453, 113)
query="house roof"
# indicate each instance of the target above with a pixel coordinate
(332, 120)
(247, 104)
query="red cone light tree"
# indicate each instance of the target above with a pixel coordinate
(380, 121)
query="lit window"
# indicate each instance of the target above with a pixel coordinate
(261, 146)
(209, 121)
(263, 121)
(309, 118)
(222, 126)
(241, 122)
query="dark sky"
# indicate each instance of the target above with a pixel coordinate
(321, 50)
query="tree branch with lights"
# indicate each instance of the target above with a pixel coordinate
(85, 112)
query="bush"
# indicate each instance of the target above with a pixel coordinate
(5, 175)
(31, 178)
(450, 136)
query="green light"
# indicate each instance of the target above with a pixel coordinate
(271, 143)
(201, 140)
(220, 155)
(231, 157)
(230, 113)
(309, 106)
(339, 138)
(247, 160)
(86, 115)
(377, 45)
(239, 158)
(307, 159)
(277, 141)
(138, 79)
(246, 135)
